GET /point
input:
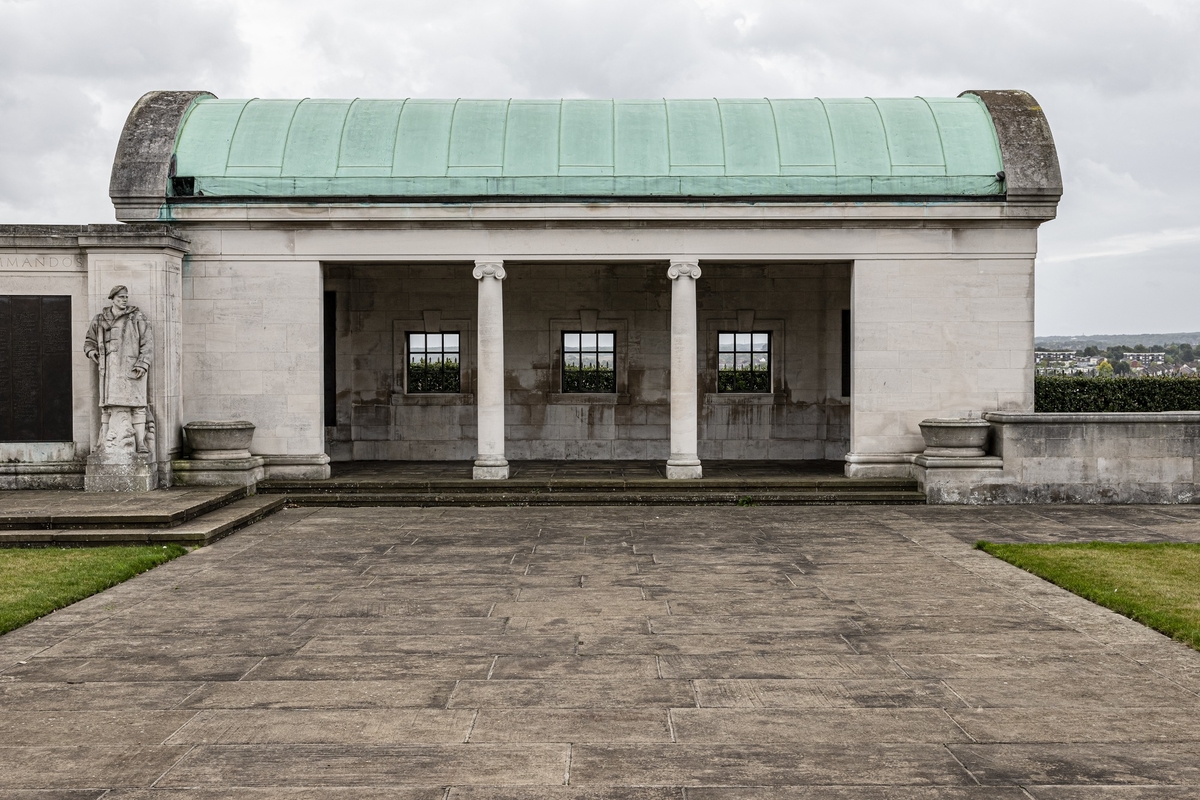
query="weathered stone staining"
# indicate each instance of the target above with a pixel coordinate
(120, 342)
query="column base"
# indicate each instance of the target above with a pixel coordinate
(490, 470)
(684, 470)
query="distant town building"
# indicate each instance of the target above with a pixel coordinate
(1065, 362)
(1145, 359)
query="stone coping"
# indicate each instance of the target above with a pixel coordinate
(1119, 417)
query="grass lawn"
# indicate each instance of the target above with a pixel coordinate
(36, 581)
(1156, 584)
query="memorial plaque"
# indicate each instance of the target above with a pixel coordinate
(35, 368)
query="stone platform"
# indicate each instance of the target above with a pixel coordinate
(188, 516)
(863, 653)
(622, 483)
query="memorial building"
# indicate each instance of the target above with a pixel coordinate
(495, 280)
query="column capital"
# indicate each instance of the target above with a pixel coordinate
(489, 269)
(684, 269)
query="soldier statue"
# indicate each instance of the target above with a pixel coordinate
(121, 343)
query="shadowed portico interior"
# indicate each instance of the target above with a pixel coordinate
(800, 412)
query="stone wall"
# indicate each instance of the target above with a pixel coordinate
(941, 337)
(252, 350)
(1080, 458)
(52, 265)
(801, 304)
(84, 262)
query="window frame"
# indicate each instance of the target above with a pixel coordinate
(442, 351)
(749, 351)
(612, 352)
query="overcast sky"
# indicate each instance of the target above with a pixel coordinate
(1117, 79)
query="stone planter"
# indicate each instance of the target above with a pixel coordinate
(955, 438)
(219, 441)
(220, 456)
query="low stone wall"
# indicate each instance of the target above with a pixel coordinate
(1077, 458)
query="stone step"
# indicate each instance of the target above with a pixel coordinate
(198, 531)
(606, 498)
(588, 485)
(168, 508)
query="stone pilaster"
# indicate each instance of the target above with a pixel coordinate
(684, 462)
(490, 463)
(150, 265)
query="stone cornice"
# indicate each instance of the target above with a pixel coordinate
(1031, 212)
(150, 236)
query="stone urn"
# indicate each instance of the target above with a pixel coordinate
(955, 438)
(219, 441)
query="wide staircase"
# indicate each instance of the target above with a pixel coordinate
(626, 483)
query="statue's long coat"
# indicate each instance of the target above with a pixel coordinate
(127, 343)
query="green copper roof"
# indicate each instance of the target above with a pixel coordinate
(516, 149)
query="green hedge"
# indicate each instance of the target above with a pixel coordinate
(1057, 394)
(743, 380)
(589, 379)
(435, 378)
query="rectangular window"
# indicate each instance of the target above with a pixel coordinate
(433, 363)
(744, 362)
(589, 362)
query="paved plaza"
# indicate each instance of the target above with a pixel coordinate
(569, 653)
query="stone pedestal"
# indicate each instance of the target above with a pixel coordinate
(684, 462)
(220, 472)
(955, 461)
(136, 475)
(115, 465)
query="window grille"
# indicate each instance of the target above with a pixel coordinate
(433, 363)
(744, 362)
(589, 362)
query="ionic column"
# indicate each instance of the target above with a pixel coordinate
(489, 390)
(684, 461)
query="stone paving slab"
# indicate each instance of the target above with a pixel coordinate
(578, 654)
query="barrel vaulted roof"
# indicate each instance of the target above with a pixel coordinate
(181, 148)
(546, 149)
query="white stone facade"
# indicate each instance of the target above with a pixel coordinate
(941, 304)
(938, 292)
(942, 324)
